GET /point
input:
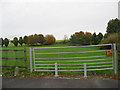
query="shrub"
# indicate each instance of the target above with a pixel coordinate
(112, 38)
(49, 39)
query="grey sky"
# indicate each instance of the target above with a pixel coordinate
(57, 17)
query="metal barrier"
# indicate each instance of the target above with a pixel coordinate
(56, 59)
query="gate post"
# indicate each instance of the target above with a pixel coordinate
(31, 50)
(114, 58)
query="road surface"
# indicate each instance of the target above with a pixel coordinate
(57, 83)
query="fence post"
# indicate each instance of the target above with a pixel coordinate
(114, 58)
(31, 60)
(16, 71)
(56, 70)
(25, 59)
(85, 70)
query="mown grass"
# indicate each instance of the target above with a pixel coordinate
(66, 55)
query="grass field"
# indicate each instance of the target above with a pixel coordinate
(57, 57)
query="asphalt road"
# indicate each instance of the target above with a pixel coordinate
(57, 83)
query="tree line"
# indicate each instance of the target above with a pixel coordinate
(36, 39)
(79, 38)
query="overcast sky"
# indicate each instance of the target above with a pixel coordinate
(57, 17)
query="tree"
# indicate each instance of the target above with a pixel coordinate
(36, 39)
(49, 39)
(99, 37)
(113, 26)
(25, 39)
(1, 42)
(15, 41)
(41, 39)
(89, 35)
(87, 40)
(31, 40)
(81, 38)
(77, 38)
(94, 39)
(6, 42)
(74, 39)
(21, 41)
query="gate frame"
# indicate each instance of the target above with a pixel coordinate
(113, 48)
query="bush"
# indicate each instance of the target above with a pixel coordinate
(112, 38)
(49, 40)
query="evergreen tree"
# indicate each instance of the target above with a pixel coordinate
(1, 42)
(99, 37)
(6, 42)
(15, 41)
(21, 41)
(25, 39)
(94, 39)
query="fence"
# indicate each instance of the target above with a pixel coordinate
(10, 57)
(73, 58)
